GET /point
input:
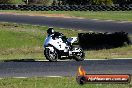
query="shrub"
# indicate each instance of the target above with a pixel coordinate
(42, 2)
(5, 1)
(11, 2)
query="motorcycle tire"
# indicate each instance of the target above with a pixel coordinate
(51, 58)
(79, 58)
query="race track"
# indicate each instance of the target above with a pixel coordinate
(81, 24)
(63, 68)
(66, 68)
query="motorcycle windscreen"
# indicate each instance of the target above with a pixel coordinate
(72, 39)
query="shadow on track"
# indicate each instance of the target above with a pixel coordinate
(20, 60)
(33, 60)
(72, 61)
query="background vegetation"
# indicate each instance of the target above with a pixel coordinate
(68, 2)
(97, 2)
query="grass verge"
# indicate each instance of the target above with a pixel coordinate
(22, 41)
(103, 15)
(64, 82)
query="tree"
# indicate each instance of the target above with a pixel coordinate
(86, 2)
(123, 2)
(5, 1)
(43, 2)
(54, 2)
(77, 2)
(102, 2)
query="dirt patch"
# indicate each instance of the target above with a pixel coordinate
(38, 14)
(7, 13)
(50, 15)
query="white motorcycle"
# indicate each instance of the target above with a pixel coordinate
(57, 46)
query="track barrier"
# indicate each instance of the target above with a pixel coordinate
(65, 7)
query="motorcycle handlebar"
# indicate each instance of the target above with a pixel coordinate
(57, 35)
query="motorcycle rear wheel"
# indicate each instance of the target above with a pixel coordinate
(81, 55)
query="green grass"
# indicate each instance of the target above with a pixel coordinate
(121, 52)
(103, 15)
(64, 82)
(22, 41)
(18, 41)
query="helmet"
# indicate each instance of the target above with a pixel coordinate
(50, 30)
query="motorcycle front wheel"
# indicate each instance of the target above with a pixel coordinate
(50, 54)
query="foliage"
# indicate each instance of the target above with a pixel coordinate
(68, 2)
(41, 2)
(96, 2)
(5, 1)
(11, 2)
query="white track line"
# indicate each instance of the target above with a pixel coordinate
(124, 22)
(122, 58)
(90, 59)
(54, 76)
(20, 77)
(94, 19)
(111, 21)
(111, 59)
(31, 77)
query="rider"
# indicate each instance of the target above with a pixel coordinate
(50, 31)
(54, 34)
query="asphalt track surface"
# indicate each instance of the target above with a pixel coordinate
(66, 68)
(63, 68)
(72, 23)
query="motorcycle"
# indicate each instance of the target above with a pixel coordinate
(57, 46)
